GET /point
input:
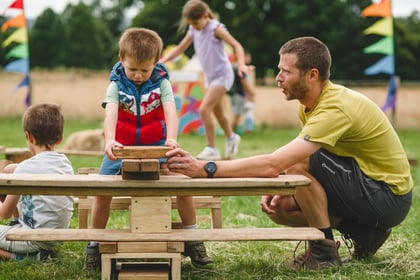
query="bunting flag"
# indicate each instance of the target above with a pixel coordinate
(385, 46)
(16, 44)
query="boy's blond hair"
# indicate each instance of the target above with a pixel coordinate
(142, 44)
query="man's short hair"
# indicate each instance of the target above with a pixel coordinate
(311, 53)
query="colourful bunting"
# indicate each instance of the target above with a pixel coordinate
(18, 54)
(16, 21)
(381, 27)
(383, 46)
(19, 36)
(386, 65)
(382, 9)
(20, 51)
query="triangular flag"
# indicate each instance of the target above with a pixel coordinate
(25, 82)
(383, 46)
(20, 51)
(19, 36)
(17, 21)
(385, 65)
(390, 102)
(18, 4)
(18, 66)
(382, 9)
(381, 27)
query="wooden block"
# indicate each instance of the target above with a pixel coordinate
(144, 271)
(140, 165)
(162, 274)
(150, 214)
(142, 247)
(108, 247)
(140, 169)
(141, 152)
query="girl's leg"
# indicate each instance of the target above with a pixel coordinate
(213, 97)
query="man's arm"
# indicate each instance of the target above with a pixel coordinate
(266, 165)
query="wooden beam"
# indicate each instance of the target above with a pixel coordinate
(141, 152)
(218, 234)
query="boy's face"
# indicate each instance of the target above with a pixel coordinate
(138, 72)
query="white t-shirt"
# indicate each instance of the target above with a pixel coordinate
(45, 211)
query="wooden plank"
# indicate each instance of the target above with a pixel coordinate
(150, 214)
(141, 152)
(168, 185)
(218, 234)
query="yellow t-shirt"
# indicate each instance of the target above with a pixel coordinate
(349, 124)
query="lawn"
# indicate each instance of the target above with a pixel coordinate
(399, 258)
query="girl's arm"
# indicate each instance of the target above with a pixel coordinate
(179, 49)
(222, 34)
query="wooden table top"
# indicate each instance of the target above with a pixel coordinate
(167, 185)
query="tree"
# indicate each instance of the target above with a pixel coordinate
(88, 41)
(46, 40)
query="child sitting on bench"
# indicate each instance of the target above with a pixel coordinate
(43, 126)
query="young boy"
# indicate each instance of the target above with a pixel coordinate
(140, 110)
(43, 127)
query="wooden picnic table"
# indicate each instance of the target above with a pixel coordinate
(150, 214)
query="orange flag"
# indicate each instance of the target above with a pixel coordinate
(17, 21)
(382, 9)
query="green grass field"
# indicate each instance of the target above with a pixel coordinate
(399, 258)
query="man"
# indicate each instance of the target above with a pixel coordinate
(360, 176)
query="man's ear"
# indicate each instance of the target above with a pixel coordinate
(314, 74)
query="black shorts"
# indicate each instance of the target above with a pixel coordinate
(353, 195)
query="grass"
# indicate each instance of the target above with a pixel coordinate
(399, 258)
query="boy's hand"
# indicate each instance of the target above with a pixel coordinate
(109, 145)
(172, 143)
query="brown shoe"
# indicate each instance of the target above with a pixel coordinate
(320, 254)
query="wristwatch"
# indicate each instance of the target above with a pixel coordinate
(210, 168)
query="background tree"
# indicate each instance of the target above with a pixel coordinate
(90, 32)
(46, 40)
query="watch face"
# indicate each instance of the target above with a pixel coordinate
(211, 167)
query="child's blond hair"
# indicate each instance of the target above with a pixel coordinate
(142, 44)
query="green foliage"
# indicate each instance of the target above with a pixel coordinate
(85, 35)
(397, 259)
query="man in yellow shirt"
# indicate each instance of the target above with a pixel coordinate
(360, 175)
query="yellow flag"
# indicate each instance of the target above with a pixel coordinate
(381, 27)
